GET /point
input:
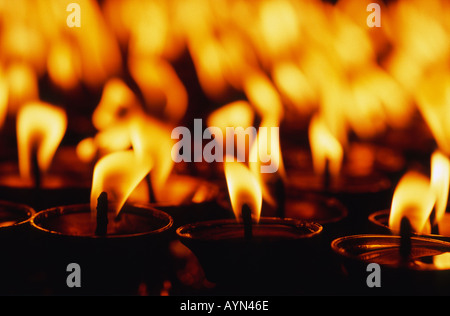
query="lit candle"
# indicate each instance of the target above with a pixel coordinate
(415, 266)
(422, 199)
(107, 236)
(43, 173)
(250, 249)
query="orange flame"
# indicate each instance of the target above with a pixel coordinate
(22, 86)
(243, 188)
(111, 139)
(152, 143)
(3, 98)
(86, 149)
(208, 57)
(413, 198)
(162, 88)
(263, 96)
(440, 182)
(42, 125)
(117, 105)
(294, 86)
(324, 146)
(63, 65)
(117, 174)
(433, 99)
(98, 48)
(279, 26)
(234, 114)
(265, 160)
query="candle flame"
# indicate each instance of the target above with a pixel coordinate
(235, 114)
(262, 94)
(164, 92)
(265, 160)
(152, 142)
(64, 65)
(324, 146)
(433, 99)
(3, 98)
(440, 182)
(243, 188)
(413, 198)
(40, 125)
(117, 174)
(22, 86)
(117, 105)
(295, 86)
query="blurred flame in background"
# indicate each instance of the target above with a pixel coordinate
(325, 148)
(40, 129)
(309, 54)
(283, 58)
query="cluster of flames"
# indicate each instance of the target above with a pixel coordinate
(304, 58)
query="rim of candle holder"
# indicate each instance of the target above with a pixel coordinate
(184, 232)
(75, 208)
(340, 210)
(362, 248)
(381, 218)
(27, 210)
(376, 216)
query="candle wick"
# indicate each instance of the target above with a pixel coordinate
(433, 222)
(151, 192)
(405, 239)
(102, 214)
(326, 174)
(280, 195)
(35, 167)
(247, 218)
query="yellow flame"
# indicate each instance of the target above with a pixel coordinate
(262, 94)
(208, 57)
(440, 182)
(393, 104)
(86, 149)
(98, 48)
(22, 86)
(442, 261)
(280, 29)
(295, 86)
(117, 105)
(152, 143)
(3, 98)
(265, 152)
(63, 64)
(162, 88)
(18, 37)
(433, 99)
(324, 146)
(117, 174)
(113, 138)
(420, 32)
(351, 43)
(43, 125)
(235, 114)
(243, 188)
(413, 198)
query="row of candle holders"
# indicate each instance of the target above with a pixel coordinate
(319, 246)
